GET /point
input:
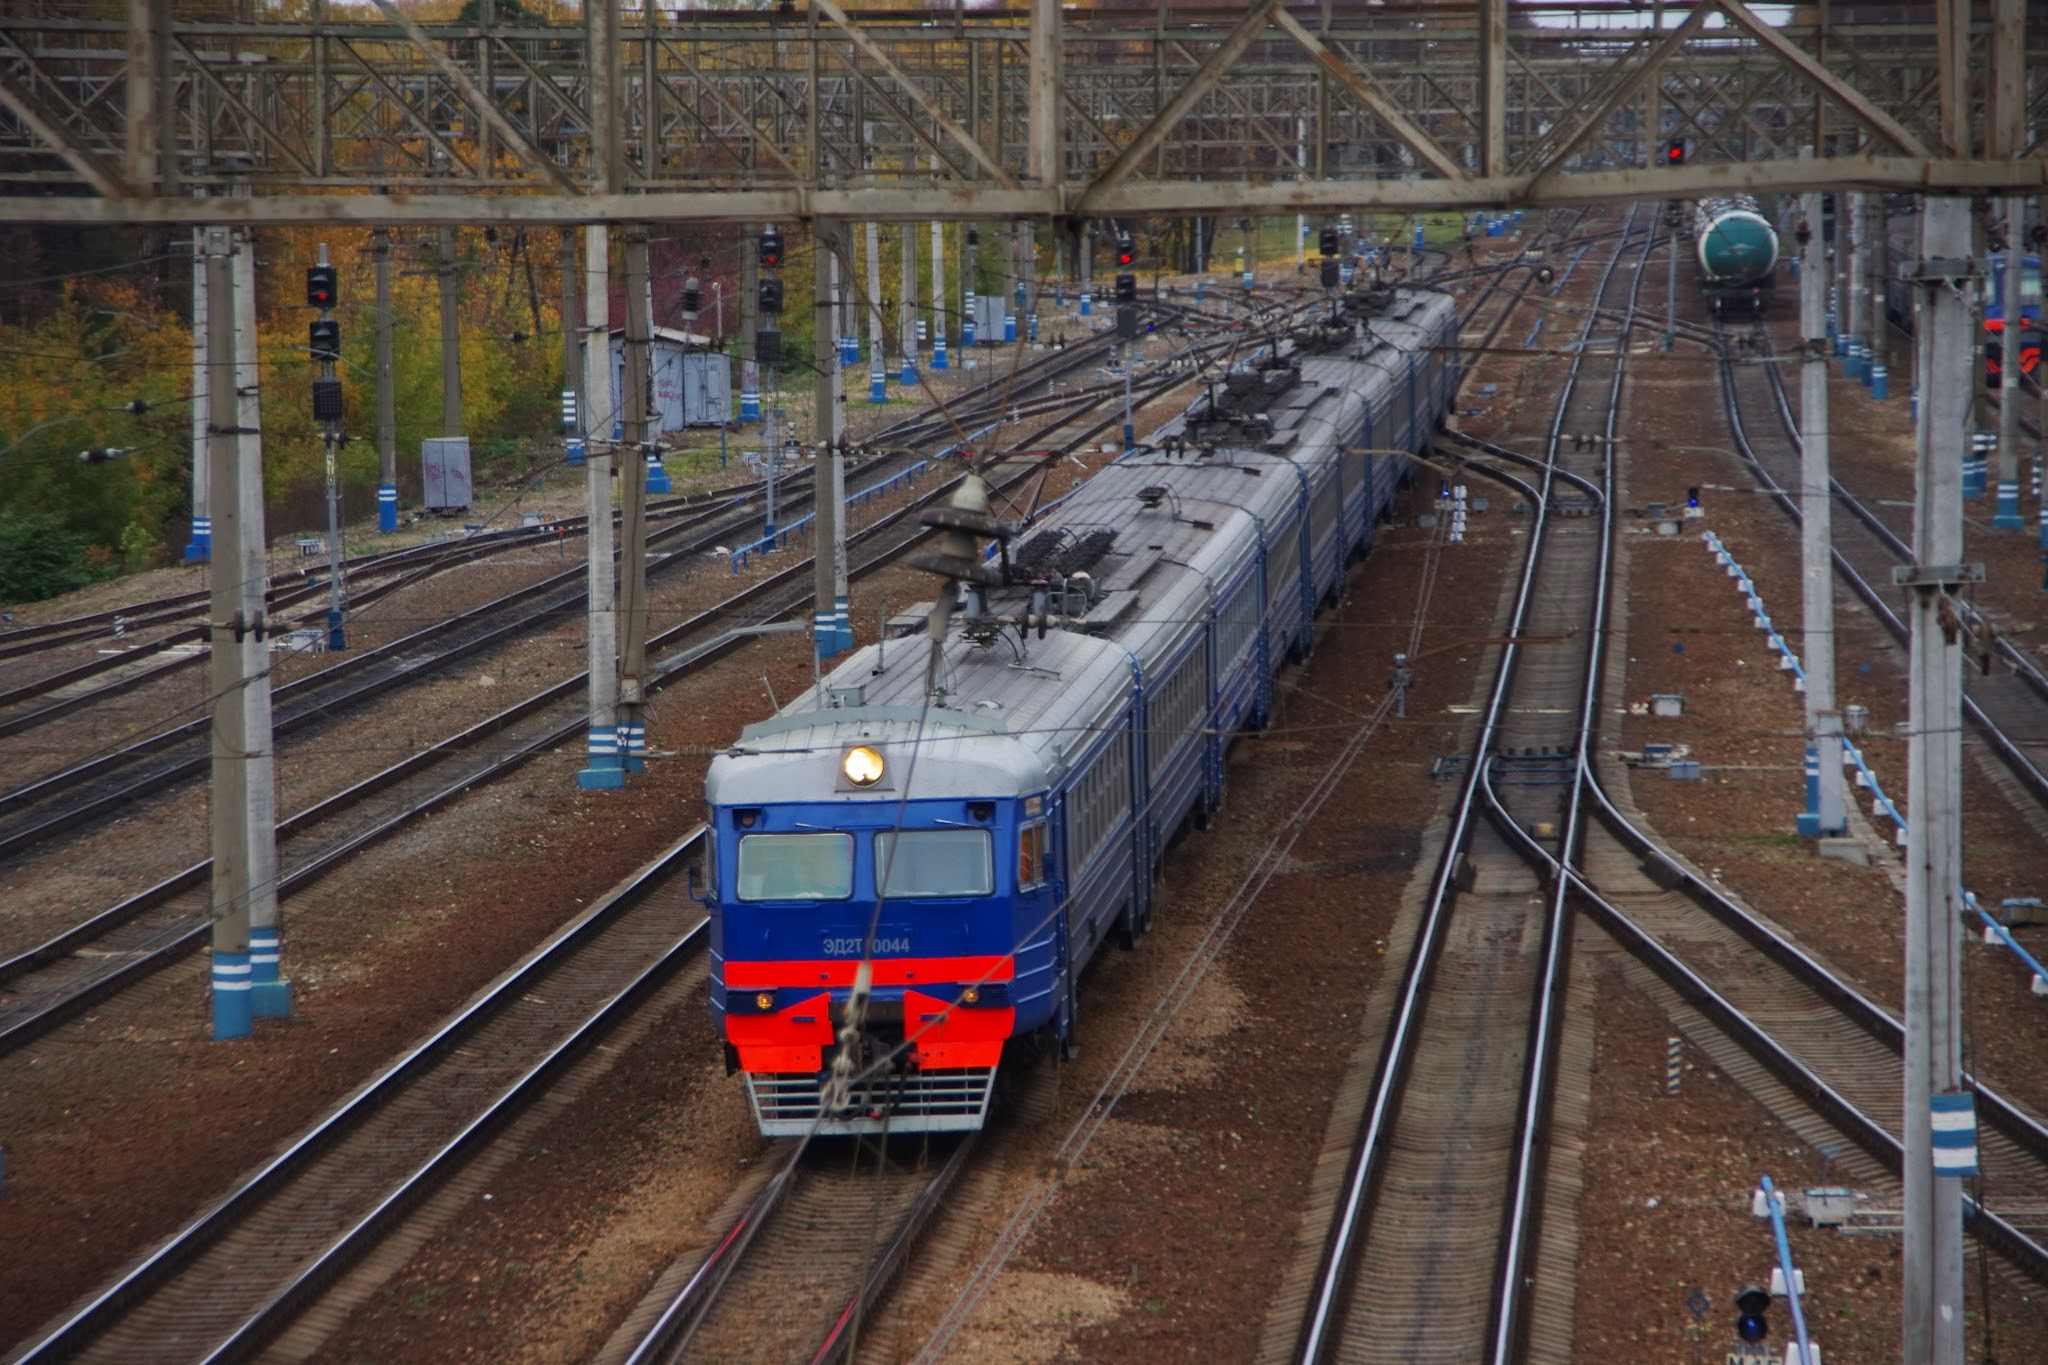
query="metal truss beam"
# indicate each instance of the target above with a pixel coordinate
(1139, 200)
(1040, 110)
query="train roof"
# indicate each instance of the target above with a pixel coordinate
(1123, 570)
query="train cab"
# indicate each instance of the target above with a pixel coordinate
(861, 851)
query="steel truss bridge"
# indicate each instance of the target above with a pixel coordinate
(339, 111)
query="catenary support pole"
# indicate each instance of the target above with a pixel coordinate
(1823, 816)
(970, 266)
(199, 548)
(573, 397)
(603, 769)
(269, 997)
(941, 315)
(1084, 265)
(225, 682)
(634, 389)
(451, 336)
(878, 382)
(906, 309)
(1933, 1307)
(387, 387)
(1859, 286)
(825, 390)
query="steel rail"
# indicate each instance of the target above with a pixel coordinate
(120, 975)
(1990, 1228)
(1369, 1152)
(166, 1261)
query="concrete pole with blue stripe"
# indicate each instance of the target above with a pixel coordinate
(387, 387)
(1824, 816)
(200, 547)
(878, 384)
(825, 515)
(229, 805)
(906, 309)
(939, 360)
(1932, 1297)
(636, 391)
(1084, 265)
(269, 996)
(750, 323)
(604, 767)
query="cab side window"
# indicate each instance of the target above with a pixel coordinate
(1031, 848)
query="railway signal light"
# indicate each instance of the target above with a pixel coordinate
(771, 248)
(323, 339)
(1127, 288)
(973, 235)
(1327, 241)
(1674, 152)
(693, 299)
(1752, 1305)
(771, 297)
(1126, 251)
(327, 400)
(320, 286)
(1692, 496)
(1331, 276)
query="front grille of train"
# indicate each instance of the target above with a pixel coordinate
(942, 1101)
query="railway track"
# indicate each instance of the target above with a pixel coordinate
(319, 1207)
(1420, 1261)
(798, 1271)
(234, 1278)
(88, 1335)
(165, 636)
(51, 982)
(2008, 706)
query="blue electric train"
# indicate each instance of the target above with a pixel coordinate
(913, 863)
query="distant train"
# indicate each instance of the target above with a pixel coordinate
(1737, 250)
(1902, 227)
(911, 865)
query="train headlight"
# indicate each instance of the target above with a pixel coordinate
(764, 1001)
(970, 996)
(862, 766)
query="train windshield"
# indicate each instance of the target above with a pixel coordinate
(795, 867)
(935, 862)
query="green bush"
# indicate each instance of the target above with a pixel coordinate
(40, 558)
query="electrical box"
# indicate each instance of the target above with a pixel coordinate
(444, 473)
(988, 319)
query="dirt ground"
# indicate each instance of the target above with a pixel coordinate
(119, 1127)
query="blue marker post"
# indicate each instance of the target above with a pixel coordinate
(657, 473)
(199, 550)
(387, 508)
